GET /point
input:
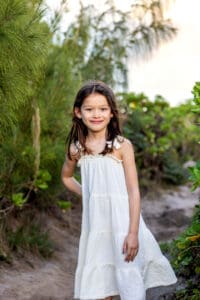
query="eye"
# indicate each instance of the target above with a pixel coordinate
(104, 108)
(88, 109)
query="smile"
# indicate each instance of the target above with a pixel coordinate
(96, 122)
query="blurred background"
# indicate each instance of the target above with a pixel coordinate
(174, 68)
(148, 52)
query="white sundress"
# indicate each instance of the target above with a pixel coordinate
(101, 269)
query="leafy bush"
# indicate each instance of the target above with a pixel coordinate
(64, 205)
(32, 238)
(185, 250)
(189, 245)
(185, 256)
(195, 175)
(163, 136)
(23, 43)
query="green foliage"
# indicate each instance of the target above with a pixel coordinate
(172, 170)
(195, 175)
(18, 199)
(102, 41)
(185, 256)
(30, 237)
(64, 205)
(196, 100)
(23, 43)
(188, 293)
(188, 246)
(42, 179)
(163, 136)
(185, 250)
(4, 249)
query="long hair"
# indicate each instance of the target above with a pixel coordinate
(79, 131)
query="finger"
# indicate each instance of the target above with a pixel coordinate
(124, 249)
(127, 258)
(134, 253)
(128, 254)
(131, 255)
(130, 250)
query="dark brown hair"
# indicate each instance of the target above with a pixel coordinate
(79, 132)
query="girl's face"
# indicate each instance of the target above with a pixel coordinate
(95, 112)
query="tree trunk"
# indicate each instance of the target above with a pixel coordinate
(36, 137)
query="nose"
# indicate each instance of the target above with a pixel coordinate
(96, 113)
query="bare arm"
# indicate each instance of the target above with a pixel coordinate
(132, 185)
(67, 176)
(131, 245)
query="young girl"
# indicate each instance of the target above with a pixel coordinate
(118, 255)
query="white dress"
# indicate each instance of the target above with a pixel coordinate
(101, 270)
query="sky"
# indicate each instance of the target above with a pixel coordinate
(175, 66)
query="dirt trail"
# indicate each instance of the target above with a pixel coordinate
(166, 212)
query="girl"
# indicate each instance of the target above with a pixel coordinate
(118, 255)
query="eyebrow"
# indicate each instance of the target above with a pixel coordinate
(103, 105)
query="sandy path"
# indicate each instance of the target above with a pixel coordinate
(166, 212)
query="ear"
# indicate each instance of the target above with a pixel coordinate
(77, 112)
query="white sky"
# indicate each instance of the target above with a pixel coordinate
(174, 68)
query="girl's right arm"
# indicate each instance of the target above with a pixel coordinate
(67, 174)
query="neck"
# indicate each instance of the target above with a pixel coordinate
(97, 135)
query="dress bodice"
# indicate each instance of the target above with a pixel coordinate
(102, 174)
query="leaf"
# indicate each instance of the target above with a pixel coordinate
(64, 204)
(197, 270)
(194, 237)
(18, 199)
(42, 186)
(181, 245)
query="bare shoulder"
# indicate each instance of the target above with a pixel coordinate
(128, 158)
(126, 145)
(74, 152)
(73, 149)
(125, 148)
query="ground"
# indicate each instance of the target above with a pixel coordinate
(166, 211)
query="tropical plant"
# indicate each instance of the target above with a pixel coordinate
(163, 136)
(109, 37)
(23, 45)
(186, 248)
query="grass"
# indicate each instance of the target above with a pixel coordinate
(30, 237)
(24, 230)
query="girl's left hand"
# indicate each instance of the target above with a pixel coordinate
(130, 246)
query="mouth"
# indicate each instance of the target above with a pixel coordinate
(96, 122)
